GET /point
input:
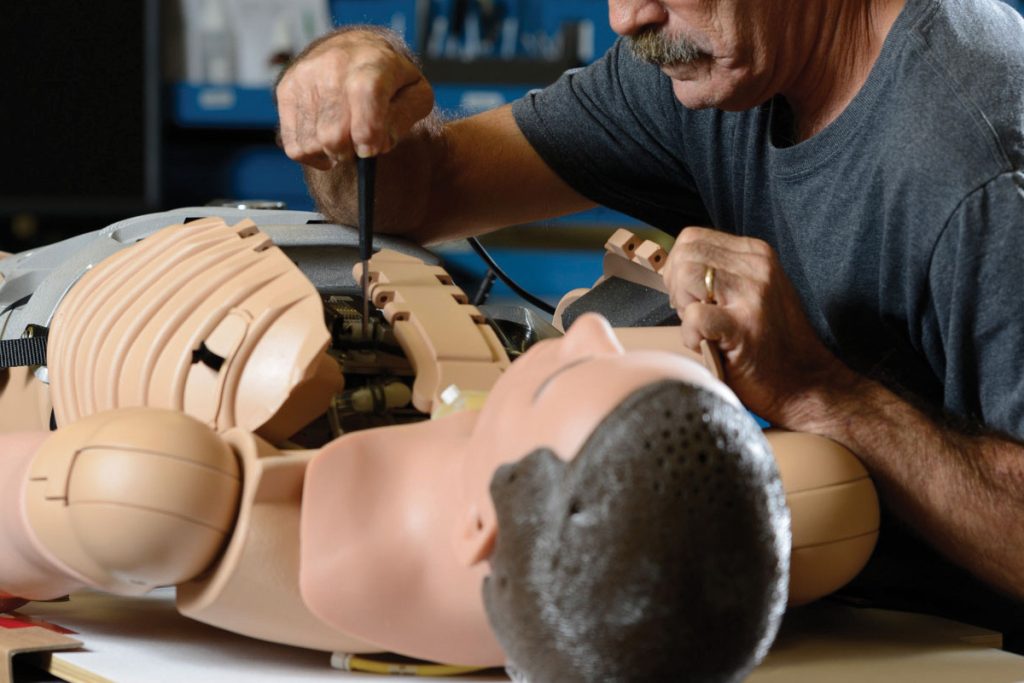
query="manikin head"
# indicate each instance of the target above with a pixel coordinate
(627, 510)
(653, 555)
(658, 550)
(634, 524)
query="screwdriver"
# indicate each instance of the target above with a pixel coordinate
(366, 170)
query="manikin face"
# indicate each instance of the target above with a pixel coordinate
(557, 394)
(718, 53)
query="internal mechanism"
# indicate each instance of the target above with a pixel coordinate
(379, 376)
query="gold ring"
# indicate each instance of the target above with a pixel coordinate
(709, 284)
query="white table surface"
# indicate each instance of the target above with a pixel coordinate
(144, 640)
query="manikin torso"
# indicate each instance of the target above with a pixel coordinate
(379, 540)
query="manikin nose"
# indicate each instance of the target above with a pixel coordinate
(627, 17)
(589, 335)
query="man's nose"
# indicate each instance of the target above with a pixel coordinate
(629, 16)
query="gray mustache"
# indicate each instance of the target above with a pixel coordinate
(654, 46)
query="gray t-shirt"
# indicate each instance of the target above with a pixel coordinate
(900, 224)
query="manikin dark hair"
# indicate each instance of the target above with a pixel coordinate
(660, 553)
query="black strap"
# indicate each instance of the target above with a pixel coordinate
(16, 353)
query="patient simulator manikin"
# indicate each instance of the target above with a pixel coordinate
(597, 509)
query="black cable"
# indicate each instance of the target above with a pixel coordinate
(482, 253)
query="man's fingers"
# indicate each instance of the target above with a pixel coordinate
(688, 282)
(355, 93)
(743, 257)
(740, 264)
(333, 129)
(722, 240)
(288, 114)
(707, 321)
(306, 106)
(369, 91)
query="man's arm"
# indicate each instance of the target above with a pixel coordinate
(445, 181)
(359, 92)
(964, 493)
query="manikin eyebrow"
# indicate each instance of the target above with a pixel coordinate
(556, 373)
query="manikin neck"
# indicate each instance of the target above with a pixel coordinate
(381, 510)
(843, 41)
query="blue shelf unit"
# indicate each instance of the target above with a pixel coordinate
(255, 171)
(221, 106)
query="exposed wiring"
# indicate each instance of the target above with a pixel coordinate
(482, 253)
(350, 662)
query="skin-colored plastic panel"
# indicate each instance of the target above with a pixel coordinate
(26, 569)
(448, 342)
(816, 571)
(253, 588)
(105, 494)
(24, 401)
(640, 272)
(176, 320)
(835, 512)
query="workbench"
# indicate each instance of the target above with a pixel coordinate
(144, 640)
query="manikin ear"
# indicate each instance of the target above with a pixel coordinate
(590, 335)
(476, 534)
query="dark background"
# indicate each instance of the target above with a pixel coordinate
(79, 116)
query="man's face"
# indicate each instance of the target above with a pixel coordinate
(717, 52)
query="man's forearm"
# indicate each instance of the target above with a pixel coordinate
(964, 493)
(452, 180)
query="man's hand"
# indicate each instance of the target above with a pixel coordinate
(356, 91)
(774, 361)
(962, 492)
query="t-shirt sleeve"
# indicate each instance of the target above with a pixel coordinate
(977, 279)
(614, 132)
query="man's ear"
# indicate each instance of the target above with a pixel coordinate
(476, 534)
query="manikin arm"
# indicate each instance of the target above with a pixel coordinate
(98, 502)
(128, 500)
(26, 569)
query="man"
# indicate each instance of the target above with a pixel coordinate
(861, 163)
